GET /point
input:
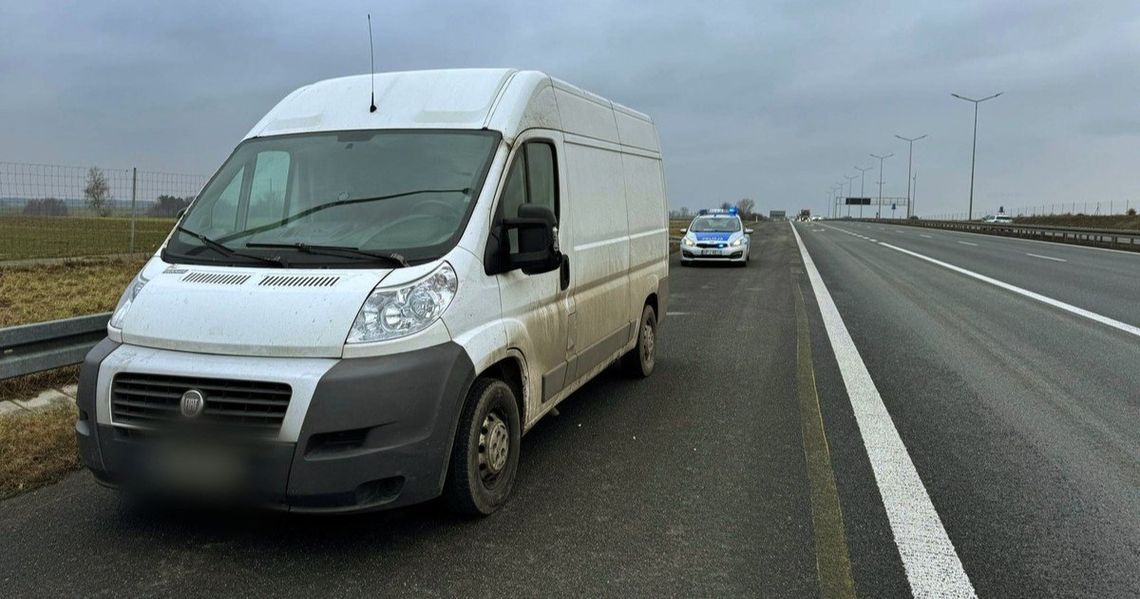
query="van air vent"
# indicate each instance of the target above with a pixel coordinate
(295, 281)
(215, 278)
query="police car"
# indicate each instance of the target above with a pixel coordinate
(716, 236)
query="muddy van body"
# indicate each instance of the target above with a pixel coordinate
(367, 309)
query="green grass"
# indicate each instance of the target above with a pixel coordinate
(24, 237)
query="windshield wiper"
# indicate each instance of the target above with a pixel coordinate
(227, 251)
(304, 213)
(334, 250)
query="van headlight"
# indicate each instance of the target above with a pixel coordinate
(739, 242)
(126, 301)
(394, 312)
(688, 241)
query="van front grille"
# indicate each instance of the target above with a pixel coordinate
(155, 401)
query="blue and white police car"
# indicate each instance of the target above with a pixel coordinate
(716, 236)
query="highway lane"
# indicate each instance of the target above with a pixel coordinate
(1020, 421)
(689, 483)
(1106, 282)
(1023, 421)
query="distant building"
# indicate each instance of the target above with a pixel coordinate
(777, 215)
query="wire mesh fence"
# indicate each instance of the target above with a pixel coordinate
(54, 211)
(1080, 208)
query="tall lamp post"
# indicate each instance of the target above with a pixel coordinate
(849, 178)
(974, 152)
(909, 160)
(862, 180)
(879, 208)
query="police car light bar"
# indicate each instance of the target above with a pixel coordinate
(731, 211)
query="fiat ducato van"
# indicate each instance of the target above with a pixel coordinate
(371, 301)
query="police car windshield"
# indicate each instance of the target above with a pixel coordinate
(715, 224)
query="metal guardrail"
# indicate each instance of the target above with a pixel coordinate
(1119, 239)
(31, 348)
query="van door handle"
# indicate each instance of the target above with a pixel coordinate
(564, 271)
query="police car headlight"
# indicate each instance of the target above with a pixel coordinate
(688, 241)
(393, 312)
(739, 242)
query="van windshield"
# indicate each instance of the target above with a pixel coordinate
(715, 224)
(338, 198)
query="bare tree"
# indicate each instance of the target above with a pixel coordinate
(745, 206)
(725, 205)
(98, 192)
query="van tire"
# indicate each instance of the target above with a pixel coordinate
(485, 455)
(640, 361)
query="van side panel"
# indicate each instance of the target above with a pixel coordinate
(648, 229)
(585, 114)
(599, 253)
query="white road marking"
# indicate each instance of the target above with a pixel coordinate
(677, 313)
(926, 236)
(967, 243)
(933, 568)
(1116, 324)
(1046, 257)
(873, 240)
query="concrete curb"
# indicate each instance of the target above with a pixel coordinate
(47, 399)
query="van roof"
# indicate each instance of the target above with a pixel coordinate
(505, 100)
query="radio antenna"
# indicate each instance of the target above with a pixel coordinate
(372, 64)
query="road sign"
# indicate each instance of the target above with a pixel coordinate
(858, 201)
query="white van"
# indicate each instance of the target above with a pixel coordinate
(366, 308)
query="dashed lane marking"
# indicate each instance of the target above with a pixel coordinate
(1116, 324)
(1046, 257)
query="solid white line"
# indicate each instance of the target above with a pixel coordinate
(967, 243)
(677, 313)
(926, 236)
(933, 568)
(1116, 324)
(1046, 257)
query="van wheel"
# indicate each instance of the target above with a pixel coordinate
(639, 361)
(485, 456)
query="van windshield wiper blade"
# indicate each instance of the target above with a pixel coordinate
(334, 250)
(315, 209)
(223, 249)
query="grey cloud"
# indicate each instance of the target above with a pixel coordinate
(774, 101)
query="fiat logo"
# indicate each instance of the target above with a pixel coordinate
(192, 403)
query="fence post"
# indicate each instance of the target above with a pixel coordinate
(134, 195)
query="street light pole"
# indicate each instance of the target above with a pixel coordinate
(862, 180)
(879, 208)
(974, 151)
(849, 194)
(909, 161)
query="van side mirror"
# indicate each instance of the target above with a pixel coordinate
(537, 233)
(748, 231)
(683, 231)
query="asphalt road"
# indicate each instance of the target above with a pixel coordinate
(1021, 420)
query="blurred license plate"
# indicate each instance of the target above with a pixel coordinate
(710, 253)
(200, 468)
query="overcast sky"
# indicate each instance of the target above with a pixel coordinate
(774, 101)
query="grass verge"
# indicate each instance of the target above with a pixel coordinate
(50, 292)
(37, 448)
(1088, 221)
(69, 236)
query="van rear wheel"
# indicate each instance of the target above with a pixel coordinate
(640, 360)
(485, 456)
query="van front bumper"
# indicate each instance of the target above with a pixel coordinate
(359, 434)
